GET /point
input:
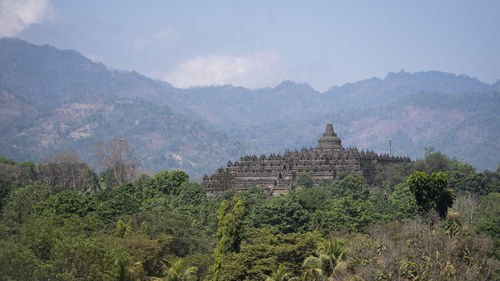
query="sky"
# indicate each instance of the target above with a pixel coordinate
(261, 43)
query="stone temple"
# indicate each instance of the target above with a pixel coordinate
(275, 173)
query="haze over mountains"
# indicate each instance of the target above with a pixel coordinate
(52, 99)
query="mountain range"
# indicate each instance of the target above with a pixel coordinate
(53, 99)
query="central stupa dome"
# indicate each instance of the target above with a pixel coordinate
(329, 140)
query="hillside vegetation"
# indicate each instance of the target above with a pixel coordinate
(54, 99)
(433, 219)
(59, 100)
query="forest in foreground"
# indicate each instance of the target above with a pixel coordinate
(431, 219)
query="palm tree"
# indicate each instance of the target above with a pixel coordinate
(314, 268)
(280, 273)
(175, 272)
(332, 253)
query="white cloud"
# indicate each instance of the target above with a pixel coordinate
(16, 15)
(143, 41)
(251, 70)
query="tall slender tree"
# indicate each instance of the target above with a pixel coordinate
(117, 158)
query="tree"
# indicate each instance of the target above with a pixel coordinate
(345, 214)
(434, 162)
(66, 169)
(314, 268)
(168, 182)
(230, 222)
(17, 174)
(488, 219)
(284, 213)
(21, 202)
(65, 204)
(5, 188)
(304, 180)
(27, 172)
(331, 252)
(178, 272)
(489, 214)
(466, 205)
(280, 273)
(352, 186)
(431, 192)
(402, 203)
(121, 200)
(117, 157)
(311, 198)
(263, 249)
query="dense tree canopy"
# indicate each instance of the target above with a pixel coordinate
(431, 192)
(165, 227)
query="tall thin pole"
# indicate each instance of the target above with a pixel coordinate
(390, 146)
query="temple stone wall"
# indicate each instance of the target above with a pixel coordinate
(275, 173)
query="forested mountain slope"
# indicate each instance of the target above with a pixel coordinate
(289, 101)
(55, 99)
(465, 126)
(59, 100)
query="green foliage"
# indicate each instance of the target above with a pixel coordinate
(178, 272)
(393, 174)
(230, 222)
(409, 251)
(168, 182)
(284, 213)
(331, 253)
(17, 174)
(165, 227)
(312, 199)
(264, 249)
(51, 251)
(17, 262)
(186, 235)
(6, 160)
(5, 188)
(122, 229)
(402, 203)
(258, 193)
(279, 273)
(434, 162)
(28, 170)
(489, 214)
(352, 186)
(191, 198)
(488, 219)
(431, 192)
(345, 214)
(22, 202)
(464, 183)
(150, 256)
(65, 204)
(230, 226)
(462, 178)
(304, 180)
(106, 180)
(452, 224)
(121, 200)
(313, 268)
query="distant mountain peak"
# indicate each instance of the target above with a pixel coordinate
(287, 84)
(396, 75)
(432, 74)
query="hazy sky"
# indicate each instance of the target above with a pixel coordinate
(260, 43)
